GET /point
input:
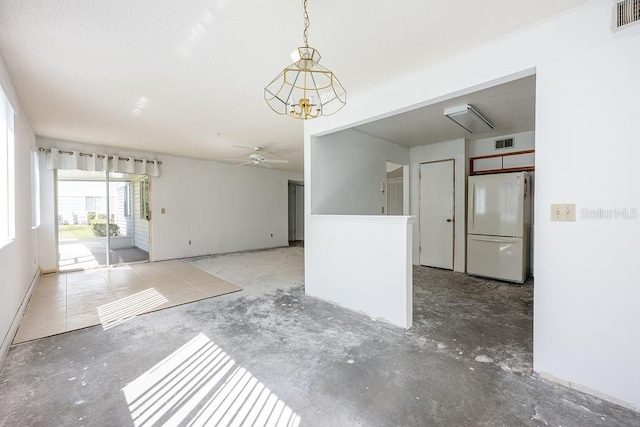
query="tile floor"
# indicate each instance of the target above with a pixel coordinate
(69, 301)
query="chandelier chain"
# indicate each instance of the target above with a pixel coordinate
(305, 34)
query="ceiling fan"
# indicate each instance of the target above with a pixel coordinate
(256, 158)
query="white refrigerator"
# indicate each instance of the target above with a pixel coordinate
(498, 225)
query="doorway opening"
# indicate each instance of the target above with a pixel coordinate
(102, 219)
(395, 188)
(296, 213)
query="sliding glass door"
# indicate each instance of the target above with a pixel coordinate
(129, 226)
(99, 219)
(82, 213)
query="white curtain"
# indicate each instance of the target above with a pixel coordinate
(57, 158)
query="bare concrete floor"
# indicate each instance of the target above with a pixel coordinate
(271, 354)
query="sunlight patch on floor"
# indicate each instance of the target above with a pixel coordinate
(121, 310)
(199, 384)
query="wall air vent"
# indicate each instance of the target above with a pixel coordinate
(504, 143)
(625, 12)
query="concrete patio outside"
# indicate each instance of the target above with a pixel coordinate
(91, 253)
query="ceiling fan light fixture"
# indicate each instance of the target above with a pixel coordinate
(305, 89)
(256, 158)
(468, 118)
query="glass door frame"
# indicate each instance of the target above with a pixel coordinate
(108, 209)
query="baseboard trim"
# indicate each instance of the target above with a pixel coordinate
(15, 324)
(583, 389)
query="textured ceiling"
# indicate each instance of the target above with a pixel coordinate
(509, 107)
(187, 78)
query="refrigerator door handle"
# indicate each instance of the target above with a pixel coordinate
(473, 204)
(495, 239)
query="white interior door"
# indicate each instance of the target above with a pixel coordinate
(437, 214)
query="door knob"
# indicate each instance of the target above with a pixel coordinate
(449, 220)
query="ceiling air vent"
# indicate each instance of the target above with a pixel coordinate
(504, 143)
(626, 12)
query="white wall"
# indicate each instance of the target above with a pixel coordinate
(47, 242)
(351, 166)
(587, 293)
(350, 273)
(359, 256)
(586, 299)
(218, 207)
(18, 258)
(455, 150)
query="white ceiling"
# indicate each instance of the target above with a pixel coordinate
(187, 78)
(509, 107)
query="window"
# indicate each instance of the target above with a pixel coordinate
(90, 203)
(7, 187)
(94, 204)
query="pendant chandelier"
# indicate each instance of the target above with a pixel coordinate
(305, 89)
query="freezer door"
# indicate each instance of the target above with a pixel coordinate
(497, 257)
(496, 204)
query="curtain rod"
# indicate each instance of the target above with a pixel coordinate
(100, 156)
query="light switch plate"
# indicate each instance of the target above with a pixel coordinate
(563, 212)
(162, 211)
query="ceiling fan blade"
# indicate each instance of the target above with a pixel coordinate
(283, 150)
(247, 148)
(245, 163)
(235, 160)
(276, 151)
(275, 161)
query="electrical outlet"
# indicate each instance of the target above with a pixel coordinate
(563, 212)
(162, 211)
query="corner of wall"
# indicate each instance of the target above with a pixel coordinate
(15, 323)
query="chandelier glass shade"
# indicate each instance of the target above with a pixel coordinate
(305, 89)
